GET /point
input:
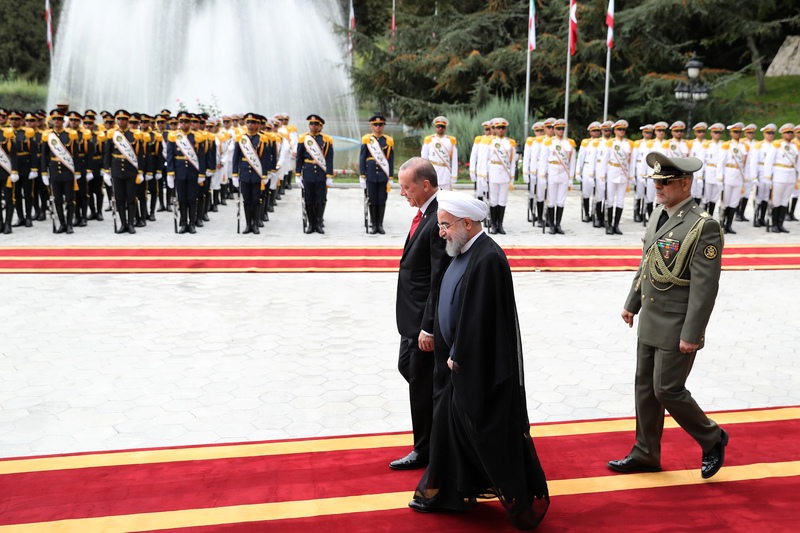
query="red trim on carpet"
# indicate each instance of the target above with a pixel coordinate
(346, 259)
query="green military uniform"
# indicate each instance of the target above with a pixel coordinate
(673, 293)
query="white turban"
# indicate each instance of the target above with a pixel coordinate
(461, 205)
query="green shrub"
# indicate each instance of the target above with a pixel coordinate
(22, 94)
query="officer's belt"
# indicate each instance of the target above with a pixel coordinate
(784, 166)
(613, 164)
(496, 163)
(23, 153)
(711, 165)
(443, 165)
(731, 166)
(553, 162)
(180, 157)
(309, 161)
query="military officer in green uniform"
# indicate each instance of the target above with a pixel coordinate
(673, 293)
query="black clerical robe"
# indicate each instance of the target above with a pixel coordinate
(481, 444)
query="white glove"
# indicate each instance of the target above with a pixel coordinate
(33, 175)
(201, 180)
(298, 180)
(140, 178)
(363, 182)
(77, 176)
(148, 177)
(525, 178)
(264, 181)
(159, 174)
(329, 182)
(45, 178)
(107, 178)
(89, 176)
(170, 181)
(235, 182)
(209, 173)
(483, 183)
(472, 176)
(453, 180)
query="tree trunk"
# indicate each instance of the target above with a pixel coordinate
(754, 53)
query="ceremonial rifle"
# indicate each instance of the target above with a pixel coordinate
(366, 211)
(530, 203)
(175, 211)
(114, 210)
(52, 206)
(303, 206)
(239, 210)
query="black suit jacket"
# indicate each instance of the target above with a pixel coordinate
(421, 267)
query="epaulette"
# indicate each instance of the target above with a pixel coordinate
(513, 142)
(365, 138)
(158, 136)
(30, 133)
(548, 141)
(137, 135)
(8, 133)
(585, 143)
(665, 144)
(390, 140)
(595, 142)
(706, 144)
(487, 139)
(301, 138)
(725, 145)
(637, 143)
(610, 142)
(146, 136)
(529, 141)
(572, 143)
(452, 140)
(758, 145)
(427, 139)
(690, 143)
(266, 136)
(290, 128)
(172, 136)
(540, 140)
(101, 136)
(101, 127)
(327, 138)
(73, 135)
(478, 139)
(649, 143)
(776, 144)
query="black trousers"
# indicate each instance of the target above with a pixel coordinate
(124, 191)
(63, 192)
(376, 191)
(251, 192)
(316, 192)
(186, 190)
(416, 367)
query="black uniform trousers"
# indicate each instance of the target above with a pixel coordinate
(187, 190)
(315, 192)
(23, 195)
(251, 192)
(376, 191)
(414, 362)
(124, 191)
(63, 192)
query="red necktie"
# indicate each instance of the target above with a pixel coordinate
(415, 222)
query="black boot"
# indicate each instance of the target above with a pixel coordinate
(609, 221)
(214, 201)
(740, 211)
(70, 210)
(9, 216)
(99, 214)
(776, 216)
(131, 217)
(598, 215)
(319, 212)
(493, 215)
(62, 227)
(501, 214)
(123, 221)
(762, 213)
(270, 201)
(730, 213)
(223, 194)
(757, 222)
(183, 223)
(312, 218)
(540, 213)
(559, 214)
(617, 217)
(531, 210)
(255, 220)
(790, 212)
(260, 212)
(637, 211)
(381, 212)
(141, 213)
(373, 217)
(193, 217)
(551, 213)
(587, 215)
(248, 219)
(782, 218)
(710, 208)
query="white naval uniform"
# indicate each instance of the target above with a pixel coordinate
(640, 183)
(474, 156)
(526, 170)
(615, 168)
(758, 157)
(600, 180)
(584, 167)
(713, 180)
(783, 166)
(218, 173)
(645, 147)
(541, 181)
(732, 171)
(752, 178)
(557, 170)
(498, 173)
(530, 164)
(696, 150)
(446, 166)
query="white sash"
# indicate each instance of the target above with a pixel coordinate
(164, 139)
(316, 153)
(186, 148)
(58, 149)
(377, 153)
(125, 148)
(562, 156)
(673, 148)
(736, 155)
(441, 150)
(790, 154)
(504, 156)
(5, 161)
(620, 157)
(249, 152)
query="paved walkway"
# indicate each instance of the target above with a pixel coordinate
(105, 362)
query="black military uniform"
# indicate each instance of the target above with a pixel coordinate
(61, 150)
(8, 176)
(182, 174)
(246, 176)
(40, 192)
(28, 166)
(160, 161)
(81, 193)
(124, 170)
(310, 175)
(374, 178)
(93, 140)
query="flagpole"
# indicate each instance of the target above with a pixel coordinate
(608, 70)
(569, 63)
(528, 73)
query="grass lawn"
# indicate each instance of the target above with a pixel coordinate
(780, 105)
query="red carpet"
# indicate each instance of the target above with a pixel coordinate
(344, 484)
(56, 260)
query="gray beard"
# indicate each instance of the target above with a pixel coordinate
(453, 248)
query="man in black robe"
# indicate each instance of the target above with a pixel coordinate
(480, 444)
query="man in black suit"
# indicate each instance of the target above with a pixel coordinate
(424, 259)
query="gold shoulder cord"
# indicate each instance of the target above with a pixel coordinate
(659, 272)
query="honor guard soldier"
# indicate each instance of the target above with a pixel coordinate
(314, 171)
(75, 121)
(62, 165)
(497, 165)
(615, 169)
(655, 144)
(108, 125)
(796, 194)
(584, 168)
(292, 130)
(530, 165)
(27, 166)
(376, 166)
(697, 149)
(252, 159)
(442, 152)
(3, 118)
(640, 171)
(557, 165)
(41, 193)
(541, 180)
(93, 141)
(733, 172)
(140, 204)
(186, 169)
(123, 165)
(782, 168)
(749, 139)
(607, 133)
(474, 157)
(155, 164)
(8, 175)
(282, 150)
(160, 138)
(676, 146)
(713, 180)
(758, 158)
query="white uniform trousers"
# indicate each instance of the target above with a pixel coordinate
(482, 188)
(650, 191)
(443, 175)
(782, 193)
(713, 188)
(697, 187)
(498, 194)
(748, 189)
(796, 192)
(601, 188)
(556, 193)
(615, 195)
(764, 190)
(541, 188)
(731, 194)
(532, 189)
(641, 187)
(216, 180)
(587, 186)
(273, 180)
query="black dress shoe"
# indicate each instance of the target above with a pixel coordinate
(99, 216)
(412, 461)
(28, 223)
(712, 461)
(422, 507)
(630, 465)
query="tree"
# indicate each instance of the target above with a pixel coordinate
(23, 38)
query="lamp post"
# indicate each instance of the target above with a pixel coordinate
(693, 92)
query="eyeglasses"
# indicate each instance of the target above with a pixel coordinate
(667, 179)
(438, 125)
(559, 127)
(499, 127)
(444, 226)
